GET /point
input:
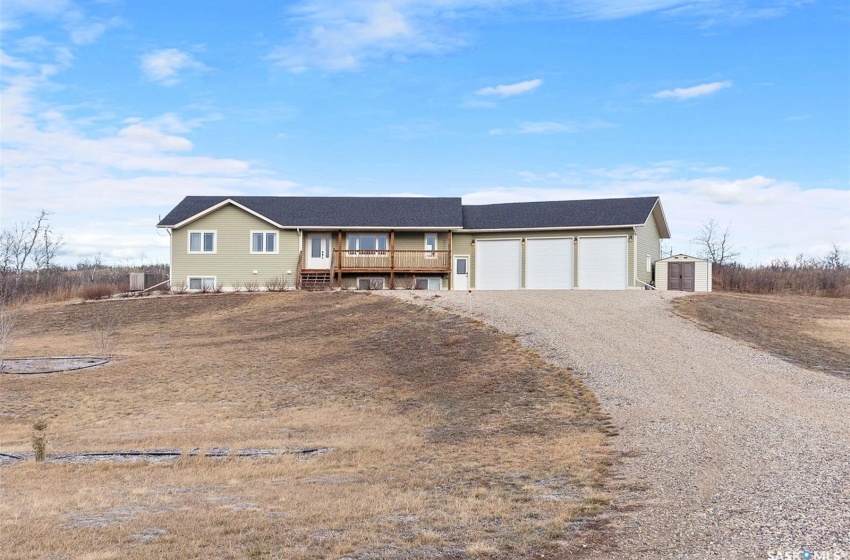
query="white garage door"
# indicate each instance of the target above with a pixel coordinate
(548, 264)
(498, 264)
(602, 263)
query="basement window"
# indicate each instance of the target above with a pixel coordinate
(370, 283)
(206, 283)
(429, 283)
(202, 241)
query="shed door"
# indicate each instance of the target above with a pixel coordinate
(674, 276)
(498, 264)
(688, 270)
(680, 276)
(602, 263)
(548, 264)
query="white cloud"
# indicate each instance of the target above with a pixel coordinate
(549, 127)
(342, 35)
(135, 169)
(510, 89)
(758, 208)
(164, 66)
(682, 94)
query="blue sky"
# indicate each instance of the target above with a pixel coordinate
(732, 110)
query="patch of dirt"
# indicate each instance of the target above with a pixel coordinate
(811, 332)
(24, 366)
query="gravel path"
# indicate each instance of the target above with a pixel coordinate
(727, 451)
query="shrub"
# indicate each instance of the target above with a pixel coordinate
(39, 440)
(99, 291)
(803, 277)
(179, 287)
(275, 284)
(251, 286)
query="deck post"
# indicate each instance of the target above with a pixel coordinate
(392, 259)
(339, 259)
(451, 264)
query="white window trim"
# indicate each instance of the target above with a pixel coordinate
(202, 277)
(648, 262)
(264, 232)
(383, 253)
(428, 254)
(371, 278)
(202, 232)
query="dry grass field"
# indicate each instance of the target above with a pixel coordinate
(812, 332)
(447, 438)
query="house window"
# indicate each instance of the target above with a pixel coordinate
(649, 263)
(370, 283)
(263, 242)
(368, 244)
(430, 245)
(429, 283)
(202, 283)
(202, 241)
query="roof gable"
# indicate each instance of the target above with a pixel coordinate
(328, 212)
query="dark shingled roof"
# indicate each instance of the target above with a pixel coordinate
(334, 211)
(561, 213)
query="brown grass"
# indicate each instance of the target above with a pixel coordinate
(812, 332)
(448, 438)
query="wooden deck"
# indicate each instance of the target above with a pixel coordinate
(389, 261)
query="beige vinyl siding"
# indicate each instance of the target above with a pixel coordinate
(233, 264)
(415, 241)
(462, 245)
(661, 275)
(648, 242)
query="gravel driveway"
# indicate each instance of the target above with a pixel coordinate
(727, 452)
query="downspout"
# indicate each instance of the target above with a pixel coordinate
(170, 256)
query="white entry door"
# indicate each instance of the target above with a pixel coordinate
(318, 251)
(460, 280)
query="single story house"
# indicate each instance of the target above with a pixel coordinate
(250, 242)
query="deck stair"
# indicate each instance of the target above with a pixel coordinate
(316, 281)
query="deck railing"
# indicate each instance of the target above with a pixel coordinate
(388, 259)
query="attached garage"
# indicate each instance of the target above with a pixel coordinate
(603, 263)
(549, 264)
(498, 264)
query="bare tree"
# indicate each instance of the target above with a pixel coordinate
(31, 244)
(835, 260)
(715, 243)
(8, 318)
(104, 327)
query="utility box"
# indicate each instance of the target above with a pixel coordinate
(143, 280)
